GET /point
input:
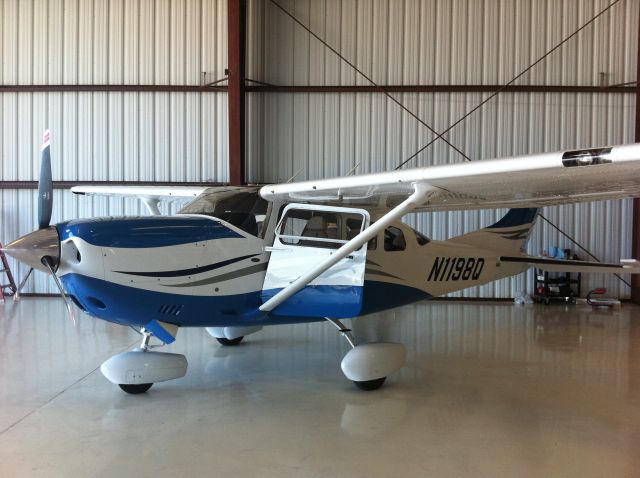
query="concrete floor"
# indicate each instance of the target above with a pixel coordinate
(488, 390)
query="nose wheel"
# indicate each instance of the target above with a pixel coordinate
(135, 389)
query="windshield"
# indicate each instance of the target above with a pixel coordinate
(241, 207)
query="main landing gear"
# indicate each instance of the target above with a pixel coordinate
(368, 365)
(229, 336)
(137, 370)
(229, 342)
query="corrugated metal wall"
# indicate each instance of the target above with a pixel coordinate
(408, 42)
(117, 136)
(460, 42)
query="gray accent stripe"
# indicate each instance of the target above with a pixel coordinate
(516, 235)
(381, 273)
(516, 231)
(187, 272)
(223, 277)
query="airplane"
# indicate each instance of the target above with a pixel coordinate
(238, 258)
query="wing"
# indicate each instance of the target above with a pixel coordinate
(149, 195)
(525, 181)
(158, 192)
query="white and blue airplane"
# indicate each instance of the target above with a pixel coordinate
(236, 259)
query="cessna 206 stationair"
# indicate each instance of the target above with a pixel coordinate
(236, 259)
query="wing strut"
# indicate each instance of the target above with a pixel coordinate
(152, 204)
(418, 197)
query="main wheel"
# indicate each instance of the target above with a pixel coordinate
(370, 384)
(134, 389)
(228, 342)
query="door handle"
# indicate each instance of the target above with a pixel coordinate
(271, 249)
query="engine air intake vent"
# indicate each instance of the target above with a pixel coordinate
(170, 309)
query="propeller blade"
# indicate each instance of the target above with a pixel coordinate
(45, 185)
(48, 261)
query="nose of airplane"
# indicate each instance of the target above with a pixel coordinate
(31, 248)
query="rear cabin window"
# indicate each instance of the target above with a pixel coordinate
(394, 240)
(325, 229)
(421, 238)
(354, 226)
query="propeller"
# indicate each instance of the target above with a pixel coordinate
(45, 184)
(45, 196)
(41, 249)
(48, 261)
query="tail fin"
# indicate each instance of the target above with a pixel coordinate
(508, 234)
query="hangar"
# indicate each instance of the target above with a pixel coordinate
(227, 93)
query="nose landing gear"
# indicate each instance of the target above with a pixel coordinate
(137, 370)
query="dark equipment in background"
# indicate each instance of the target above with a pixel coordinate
(556, 286)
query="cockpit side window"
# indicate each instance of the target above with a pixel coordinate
(305, 228)
(315, 227)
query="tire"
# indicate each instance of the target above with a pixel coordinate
(229, 342)
(546, 301)
(369, 385)
(135, 389)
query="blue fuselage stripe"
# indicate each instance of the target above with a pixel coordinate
(132, 306)
(145, 232)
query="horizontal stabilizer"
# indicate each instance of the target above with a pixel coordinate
(560, 265)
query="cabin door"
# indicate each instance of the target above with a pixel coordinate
(305, 236)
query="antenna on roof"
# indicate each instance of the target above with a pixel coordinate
(353, 170)
(295, 175)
